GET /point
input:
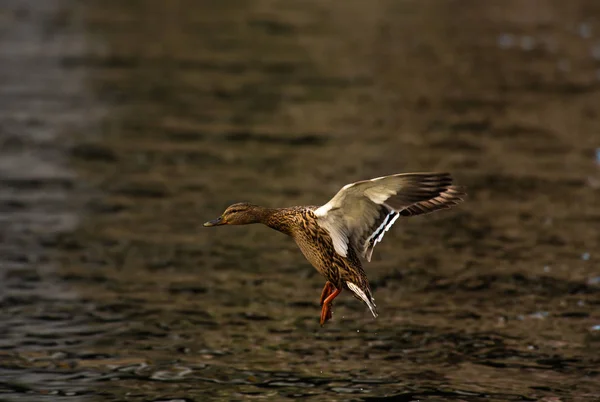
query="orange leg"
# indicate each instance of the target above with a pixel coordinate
(327, 289)
(326, 313)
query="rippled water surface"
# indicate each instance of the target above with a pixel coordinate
(126, 124)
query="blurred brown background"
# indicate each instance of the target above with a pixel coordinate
(126, 124)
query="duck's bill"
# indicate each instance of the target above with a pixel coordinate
(214, 222)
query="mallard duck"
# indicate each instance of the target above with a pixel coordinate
(335, 235)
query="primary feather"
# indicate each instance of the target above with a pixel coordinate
(360, 213)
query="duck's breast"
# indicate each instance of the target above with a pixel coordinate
(316, 244)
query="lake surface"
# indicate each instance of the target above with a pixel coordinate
(127, 124)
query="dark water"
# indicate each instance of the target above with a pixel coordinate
(125, 125)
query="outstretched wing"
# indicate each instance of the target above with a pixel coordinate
(360, 213)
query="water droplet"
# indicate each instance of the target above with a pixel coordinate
(358, 330)
(596, 328)
(585, 30)
(527, 43)
(594, 281)
(585, 256)
(540, 315)
(547, 268)
(506, 41)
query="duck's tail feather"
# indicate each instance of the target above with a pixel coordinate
(364, 296)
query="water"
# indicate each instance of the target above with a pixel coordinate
(125, 126)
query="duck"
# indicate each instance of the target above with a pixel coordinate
(336, 236)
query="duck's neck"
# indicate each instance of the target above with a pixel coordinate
(275, 218)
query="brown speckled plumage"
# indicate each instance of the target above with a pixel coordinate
(317, 246)
(332, 236)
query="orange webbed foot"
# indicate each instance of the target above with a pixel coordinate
(329, 293)
(326, 314)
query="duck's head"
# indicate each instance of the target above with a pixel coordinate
(241, 213)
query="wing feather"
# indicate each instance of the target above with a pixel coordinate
(361, 213)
